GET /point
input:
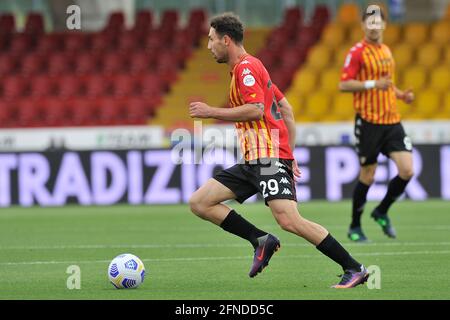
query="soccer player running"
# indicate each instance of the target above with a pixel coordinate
(266, 127)
(368, 73)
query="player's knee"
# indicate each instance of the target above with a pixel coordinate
(286, 222)
(367, 177)
(196, 205)
(406, 173)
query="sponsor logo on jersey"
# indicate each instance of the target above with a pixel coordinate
(245, 62)
(249, 80)
(284, 180)
(286, 191)
(253, 95)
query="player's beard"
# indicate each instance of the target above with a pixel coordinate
(222, 59)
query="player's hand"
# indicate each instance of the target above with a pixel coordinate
(199, 110)
(296, 170)
(384, 83)
(408, 96)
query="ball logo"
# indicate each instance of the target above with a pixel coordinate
(131, 264)
(249, 80)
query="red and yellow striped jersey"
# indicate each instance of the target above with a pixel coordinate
(367, 61)
(268, 137)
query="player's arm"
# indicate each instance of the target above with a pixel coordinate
(352, 66)
(246, 112)
(407, 96)
(288, 117)
(356, 85)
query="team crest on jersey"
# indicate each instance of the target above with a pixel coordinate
(249, 80)
(245, 72)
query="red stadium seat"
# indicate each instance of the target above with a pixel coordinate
(59, 64)
(42, 86)
(113, 63)
(8, 64)
(110, 111)
(87, 63)
(69, 86)
(128, 41)
(82, 112)
(102, 42)
(7, 24)
(14, 87)
(293, 17)
(97, 86)
(124, 85)
(34, 24)
(49, 43)
(30, 113)
(6, 114)
(20, 44)
(142, 62)
(116, 22)
(76, 42)
(136, 111)
(143, 23)
(55, 112)
(32, 64)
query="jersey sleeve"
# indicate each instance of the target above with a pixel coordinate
(250, 83)
(352, 65)
(278, 94)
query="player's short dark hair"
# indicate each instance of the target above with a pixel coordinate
(229, 24)
(366, 14)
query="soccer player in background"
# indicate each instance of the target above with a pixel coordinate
(265, 125)
(369, 74)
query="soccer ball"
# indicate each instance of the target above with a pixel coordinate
(126, 271)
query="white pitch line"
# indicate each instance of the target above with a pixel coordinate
(227, 258)
(208, 245)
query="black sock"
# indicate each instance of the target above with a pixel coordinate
(396, 187)
(236, 224)
(359, 200)
(333, 249)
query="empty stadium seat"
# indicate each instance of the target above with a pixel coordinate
(34, 24)
(429, 55)
(427, 104)
(305, 81)
(440, 33)
(143, 23)
(42, 86)
(14, 87)
(8, 64)
(392, 34)
(349, 14)
(7, 24)
(440, 79)
(319, 57)
(330, 80)
(343, 107)
(333, 35)
(403, 55)
(414, 77)
(317, 106)
(415, 34)
(115, 23)
(55, 112)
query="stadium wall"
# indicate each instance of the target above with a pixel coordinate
(154, 177)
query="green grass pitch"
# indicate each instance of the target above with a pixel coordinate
(188, 258)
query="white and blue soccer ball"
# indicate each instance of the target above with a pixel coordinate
(126, 271)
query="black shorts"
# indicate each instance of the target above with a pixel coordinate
(274, 180)
(371, 139)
